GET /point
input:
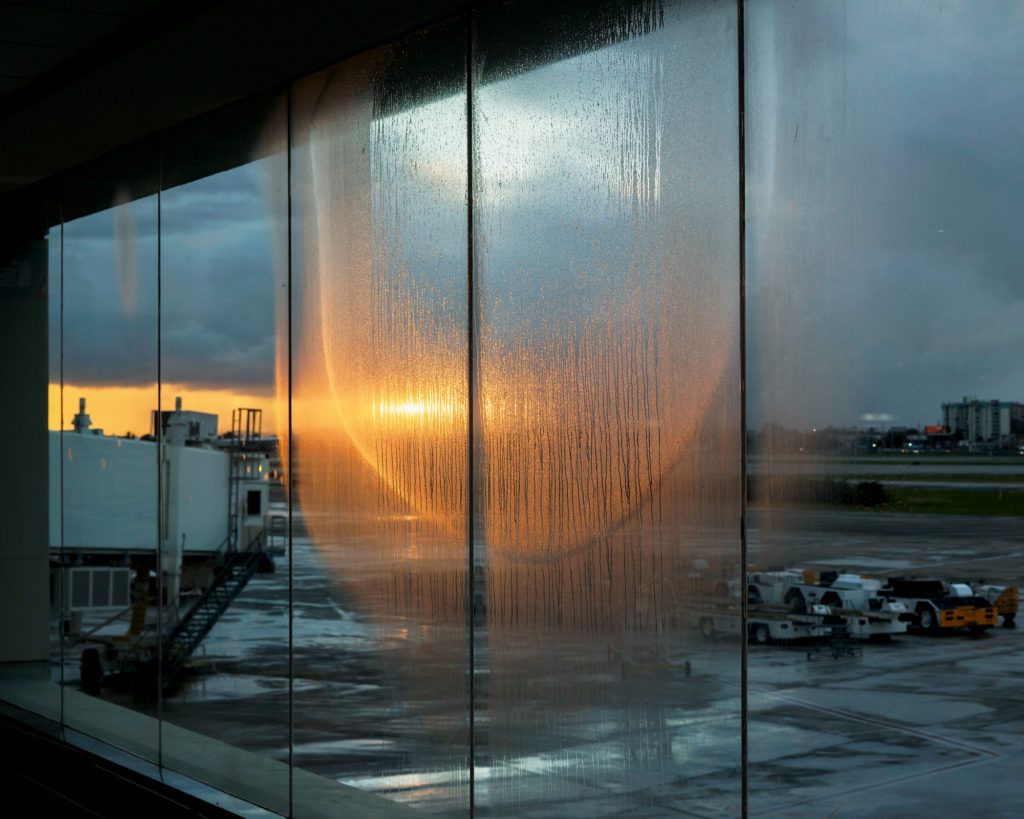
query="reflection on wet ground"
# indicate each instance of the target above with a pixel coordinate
(922, 721)
(579, 725)
(922, 724)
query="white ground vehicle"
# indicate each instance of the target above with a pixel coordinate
(769, 617)
(937, 605)
(768, 624)
(854, 598)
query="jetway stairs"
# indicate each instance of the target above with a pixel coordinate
(234, 570)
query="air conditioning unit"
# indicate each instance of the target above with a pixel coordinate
(97, 587)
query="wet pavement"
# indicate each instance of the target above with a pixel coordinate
(574, 739)
(924, 725)
(921, 722)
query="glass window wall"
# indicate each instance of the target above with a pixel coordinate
(458, 327)
(606, 315)
(104, 527)
(224, 559)
(379, 422)
(883, 287)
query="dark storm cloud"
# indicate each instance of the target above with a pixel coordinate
(219, 248)
(885, 180)
(220, 202)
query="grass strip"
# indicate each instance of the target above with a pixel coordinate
(954, 501)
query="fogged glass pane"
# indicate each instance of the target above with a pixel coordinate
(379, 351)
(608, 459)
(885, 306)
(224, 564)
(103, 465)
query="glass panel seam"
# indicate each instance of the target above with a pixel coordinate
(60, 439)
(742, 295)
(291, 450)
(160, 533)
(470, 415)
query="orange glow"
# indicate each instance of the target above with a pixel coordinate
(118, 410)
(604, 443)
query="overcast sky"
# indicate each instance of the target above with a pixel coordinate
(885, 179)
(218, 251)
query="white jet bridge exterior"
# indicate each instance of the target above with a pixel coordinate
(104, 507)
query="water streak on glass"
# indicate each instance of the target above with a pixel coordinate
(379, 415)
(609, 419)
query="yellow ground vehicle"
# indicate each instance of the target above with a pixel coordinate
(1004, 598)
(939, 605)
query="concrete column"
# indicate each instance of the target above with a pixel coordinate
(24, 479)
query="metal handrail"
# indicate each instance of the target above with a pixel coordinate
(217, 553)
(218, 577)
(173, 662)
(82, 637)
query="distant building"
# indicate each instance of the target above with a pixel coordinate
(200, 426)
(991, 421)
(940, 438)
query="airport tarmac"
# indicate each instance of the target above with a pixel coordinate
(881, 543)
(924, 725)
(921, 725)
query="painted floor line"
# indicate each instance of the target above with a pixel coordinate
(966, 746)
(872, 787)
(984, 754)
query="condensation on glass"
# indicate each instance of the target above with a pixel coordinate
(539, 647)
(883, 179)
(379, 419)
(608, 416)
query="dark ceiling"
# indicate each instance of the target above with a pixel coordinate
(79, 78)
(42, 43)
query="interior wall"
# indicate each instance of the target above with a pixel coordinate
(24, 499)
